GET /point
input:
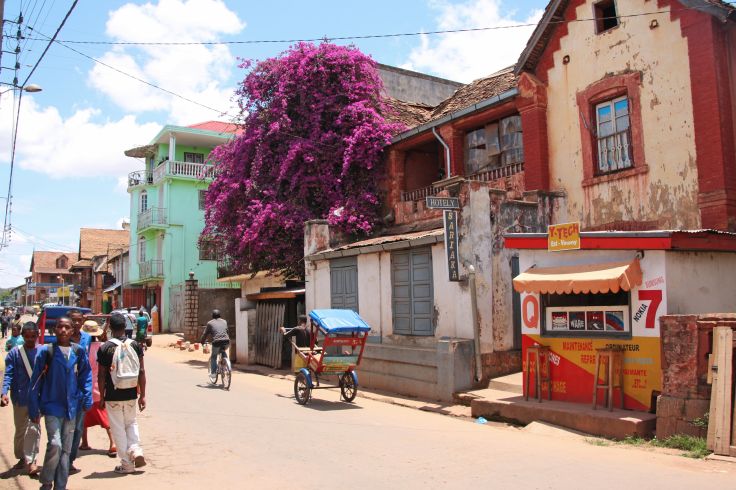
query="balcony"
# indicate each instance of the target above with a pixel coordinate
(183, 170)
(151, 269)
(152, 218)
(140, 177)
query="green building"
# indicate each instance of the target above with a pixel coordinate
(167, 217)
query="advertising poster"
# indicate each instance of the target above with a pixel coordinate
(573, 357)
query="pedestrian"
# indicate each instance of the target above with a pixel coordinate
(141, 327)
(4, 322)
(62, 378)
(18, 371)
(120, 360)
(96, 415)
(83, 339)
(15, 338)
(130, 325)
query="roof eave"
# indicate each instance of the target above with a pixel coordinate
(478, 106)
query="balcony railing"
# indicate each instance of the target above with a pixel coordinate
(151, 269)
(152, 217)
(140, 177)
(187, 170)
(497, 173)
(485, 176)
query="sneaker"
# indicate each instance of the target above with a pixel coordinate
(47, 486)
(139, 461)
(73, 470)
(124, 470)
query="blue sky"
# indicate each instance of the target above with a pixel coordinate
(70, 166)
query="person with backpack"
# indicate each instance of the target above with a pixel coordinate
(61, 378)
(18, 370)
(83, 339)
(122, 380)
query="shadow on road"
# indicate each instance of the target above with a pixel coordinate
(106, 475)
(210, 386)
(325, 405)
(6, 475)
(195, 363)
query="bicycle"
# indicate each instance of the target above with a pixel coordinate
(224, 370)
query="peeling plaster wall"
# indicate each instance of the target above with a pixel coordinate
(707, 282)
(451, 300)
(369, 290)
(667, 194)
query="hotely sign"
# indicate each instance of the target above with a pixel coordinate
(451, 245)
(565, 236)
(443, 202)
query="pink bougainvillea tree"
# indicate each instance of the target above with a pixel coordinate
(311, 147)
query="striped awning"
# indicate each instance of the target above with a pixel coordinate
(592, 278)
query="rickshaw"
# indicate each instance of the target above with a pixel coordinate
(344, 334)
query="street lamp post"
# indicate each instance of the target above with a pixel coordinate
(62, 287)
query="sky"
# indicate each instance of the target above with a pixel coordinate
(70, 170)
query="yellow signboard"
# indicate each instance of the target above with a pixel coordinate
(564, 236)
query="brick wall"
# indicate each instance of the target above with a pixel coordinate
(497, 364)
(191, 310)
(686, 343)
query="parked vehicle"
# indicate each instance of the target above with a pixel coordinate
(49, 316)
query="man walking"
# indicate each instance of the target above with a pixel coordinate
(120, 385)
(18, 371)
(83, 339)
(217, 329)
(61, 378)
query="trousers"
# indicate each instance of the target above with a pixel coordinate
(124, 428)
(27, 435)
(55, 469)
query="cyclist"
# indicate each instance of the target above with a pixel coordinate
(217, 329)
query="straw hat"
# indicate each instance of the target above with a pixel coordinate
(92, 327)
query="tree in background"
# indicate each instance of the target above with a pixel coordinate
(311, 147)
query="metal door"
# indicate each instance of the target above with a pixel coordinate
(344, 283)
(267, 338)
(412, 292)
(176, 308)
(516, 305)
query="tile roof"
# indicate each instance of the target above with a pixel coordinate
(217, 127)
(94, 241)
(410, 114)
(45, 262)
(477, 91)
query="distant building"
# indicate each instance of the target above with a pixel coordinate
(49, 273)
(167, 201)
(94, 247)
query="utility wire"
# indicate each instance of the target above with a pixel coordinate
(371, 36)
(6, 221)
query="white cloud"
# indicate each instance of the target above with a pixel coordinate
(83, 145)
(197, 72)
(467, 56)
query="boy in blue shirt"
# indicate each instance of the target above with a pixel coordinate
(61, 385)
(18, 369)
(84, 340)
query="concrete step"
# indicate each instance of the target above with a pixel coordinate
(617, 424)
(512, 383)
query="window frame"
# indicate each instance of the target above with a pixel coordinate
(141, 250)
(202, 197)
(208, 250)
(601, 18)
(143, 202)
(196, 156)
(498, 149)
(611, 103)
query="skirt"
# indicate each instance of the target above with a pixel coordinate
(96, 416)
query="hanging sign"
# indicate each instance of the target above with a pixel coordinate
(443, 202)
(451, 245)
(565, 236)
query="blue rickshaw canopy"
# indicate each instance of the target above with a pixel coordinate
(339, 321)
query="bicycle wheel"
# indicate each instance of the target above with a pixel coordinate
(213, 376)
(225, 373)
(302, 391)
(348, 389)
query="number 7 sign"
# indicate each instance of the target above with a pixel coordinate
(654, 296)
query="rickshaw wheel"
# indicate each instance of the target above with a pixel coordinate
(347, 387)
(302, 391)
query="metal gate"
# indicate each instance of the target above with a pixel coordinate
(344, 283)
(267, 339)
(411, 281)
(176, 308)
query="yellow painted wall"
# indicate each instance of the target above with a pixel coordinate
(668, 192)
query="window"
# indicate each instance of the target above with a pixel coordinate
(605, 16)
(613, 135)
(495, 145)
(61, 263)
(193, 157)
(202, 198)
(141, 250)
(144, 201)
(207, 250)
(601, 315)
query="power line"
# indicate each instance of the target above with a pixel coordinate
(368, 36)
(6, 221)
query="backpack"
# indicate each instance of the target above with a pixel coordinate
(125, 365)
(50, 355)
